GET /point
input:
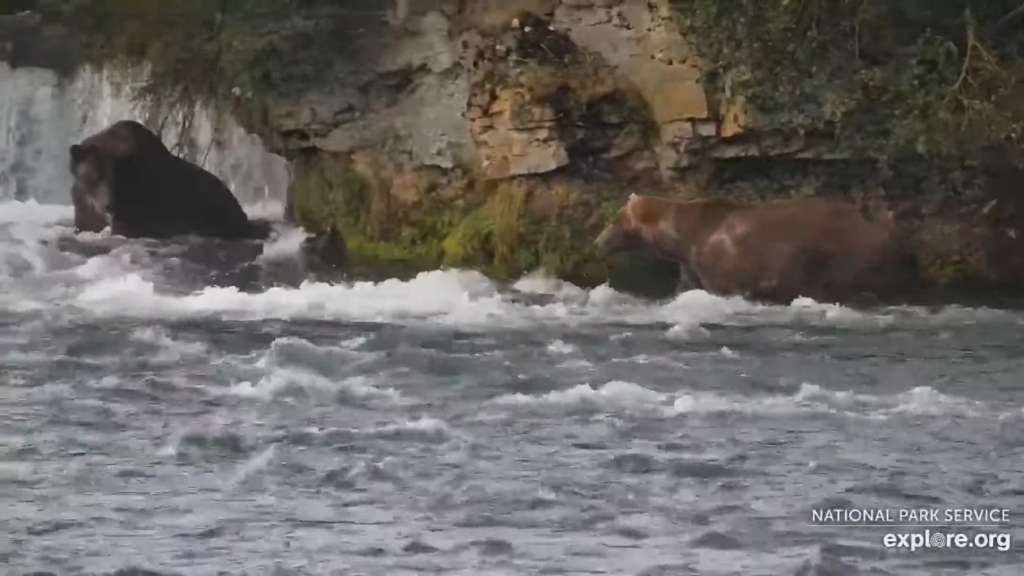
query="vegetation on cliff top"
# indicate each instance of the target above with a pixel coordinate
(890, 78)
(208, 50)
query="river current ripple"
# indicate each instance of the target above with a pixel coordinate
(189, 408)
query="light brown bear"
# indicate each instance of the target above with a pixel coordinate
(777, 251)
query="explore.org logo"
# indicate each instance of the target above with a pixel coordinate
(946, 540)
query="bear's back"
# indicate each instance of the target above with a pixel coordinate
(816, 247)
(178, 197)
(221, 212)
(826, 222)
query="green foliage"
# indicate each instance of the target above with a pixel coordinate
(330, 196)
(327, 193)
(891, 78)
(491, 236)
(196, 49)
(206, 51)
(493, 231)
(469, 244)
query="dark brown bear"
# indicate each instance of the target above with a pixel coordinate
(777, 251)
(127, 172)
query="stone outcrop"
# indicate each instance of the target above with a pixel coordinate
(502, 70)
(493, 135)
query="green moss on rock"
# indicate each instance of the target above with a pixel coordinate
(329, 195)
(490, 236)
(506, 228)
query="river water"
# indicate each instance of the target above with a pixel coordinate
(196, 408)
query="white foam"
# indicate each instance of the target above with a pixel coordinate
(426, 429)
(270, 208)
(285, 246)
(123, 283)
(920, 400)
(453, 295)
(280, 382)
(617, 396)
(560, 347)
(728, 352)
(811, 398)
(169, 349)
(612, 394)
(31, 213)
(354, 343)
(442, 296)
(539, 282)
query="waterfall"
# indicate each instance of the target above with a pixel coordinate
(41, 116)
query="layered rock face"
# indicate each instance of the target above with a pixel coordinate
(499, 135)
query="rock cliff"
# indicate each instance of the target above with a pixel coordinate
(495, 136)
(499, 135)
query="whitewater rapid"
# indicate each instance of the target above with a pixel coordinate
(205, 408)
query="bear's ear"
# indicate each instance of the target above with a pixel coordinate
(632, 198)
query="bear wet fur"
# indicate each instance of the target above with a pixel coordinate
(146, 191)
(819, 248)
(91, 190)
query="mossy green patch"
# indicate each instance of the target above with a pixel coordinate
(957, 269)
(492, 231)
(888, 79)
(328, 195)
(491, 237)
(566, 250)
(469, 243)
(947, 274)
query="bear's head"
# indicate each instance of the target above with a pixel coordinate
(626, 231)
(126, 139)
(94, 173)
(661, 227)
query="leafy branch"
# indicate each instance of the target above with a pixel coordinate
(973, 47)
